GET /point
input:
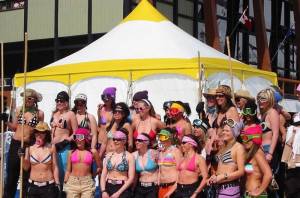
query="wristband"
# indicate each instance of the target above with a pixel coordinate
(103, 191)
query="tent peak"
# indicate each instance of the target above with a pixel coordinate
(146, 12)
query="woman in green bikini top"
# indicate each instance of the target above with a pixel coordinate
(258, 173)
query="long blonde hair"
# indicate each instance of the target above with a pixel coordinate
(267, 94)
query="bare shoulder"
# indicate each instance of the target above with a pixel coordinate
(129, 156)
(71, 113)
(239, 147)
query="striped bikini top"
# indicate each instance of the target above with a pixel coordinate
(168, 159)
(225, 157)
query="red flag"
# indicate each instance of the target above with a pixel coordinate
(246, 22)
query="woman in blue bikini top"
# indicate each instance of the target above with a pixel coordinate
(145, 160)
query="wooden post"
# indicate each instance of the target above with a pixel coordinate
(230, 67)
(23, 109)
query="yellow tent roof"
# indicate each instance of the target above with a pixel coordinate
(145, 43)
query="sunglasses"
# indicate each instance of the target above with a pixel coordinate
(80, 102)
(248, 111)
(105, 97)
(140, 109)
(117, 111)
(30, 98)
(198, 123)
(220, 96)
(247, 138)
(163, 138)
(78, 137)
(117, 139)
(230, 122)
(237, 99)
(210, 97)
(59, 101)
(140, 140)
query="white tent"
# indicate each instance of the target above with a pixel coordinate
(144, 52)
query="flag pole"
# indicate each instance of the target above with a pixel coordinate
(2, 122)
(236, 25)
(230, 67)
(23, 109)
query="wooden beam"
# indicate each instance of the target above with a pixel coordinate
(211, 27)
(263, 54)
(296, 8)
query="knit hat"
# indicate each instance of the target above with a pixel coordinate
(111, 91)
(253, 134)
(140, 95)
(62, 96)
(32, 93)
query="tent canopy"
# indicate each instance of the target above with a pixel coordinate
(143, 44)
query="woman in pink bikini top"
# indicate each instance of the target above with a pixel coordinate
(79, 167)
(190, 167)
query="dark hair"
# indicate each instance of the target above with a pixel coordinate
(74, 109)
(198, 149)
(228, 105)
(252, 151)
(252, 105)
(47, 138)
(124, 120)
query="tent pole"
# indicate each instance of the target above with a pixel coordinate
(230, 68)
(2, 122)
(69, 88)
(129, 91)
(200, 71)
(23, 110)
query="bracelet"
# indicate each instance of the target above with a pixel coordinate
(196, 192)
(225, 176)
(270, 154)
(103, 191)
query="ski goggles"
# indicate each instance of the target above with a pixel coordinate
(78, 137)
(248, 111)
(246, 138)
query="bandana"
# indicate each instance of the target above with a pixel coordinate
(120, 135)
(253, 134)
(189, 140)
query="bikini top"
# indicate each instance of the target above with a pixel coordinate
(226, 157)
(190, 166)
(110, 134)
(152, 133)
(249, 168)
(168, 159)
(85, 122)
(150, 165)
(87, 159)
(215, 122)
(264, 126)
(62, 123)
(121, 167)
(32, 123)
(46, 160)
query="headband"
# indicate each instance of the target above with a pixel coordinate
(177, 106)
(120, 135)
(147, 102)
(189, 140)
(143, 137)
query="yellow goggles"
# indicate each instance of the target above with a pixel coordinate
(163, 137)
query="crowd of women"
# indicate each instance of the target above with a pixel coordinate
(246, 147)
